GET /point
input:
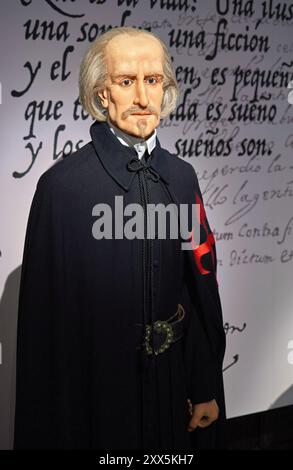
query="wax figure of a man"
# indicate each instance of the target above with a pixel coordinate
(92, 371)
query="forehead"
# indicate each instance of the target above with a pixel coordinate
(132, 51)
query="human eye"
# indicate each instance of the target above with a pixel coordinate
(152, 80)
(126, 82)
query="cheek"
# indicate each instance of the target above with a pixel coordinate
(120, 98)
(157, 95)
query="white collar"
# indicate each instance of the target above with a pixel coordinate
(138, 143)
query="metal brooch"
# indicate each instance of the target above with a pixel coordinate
(159, 326)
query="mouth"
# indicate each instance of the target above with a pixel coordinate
(142, 114)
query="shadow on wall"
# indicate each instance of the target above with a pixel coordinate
(283, 400)
(8, 330)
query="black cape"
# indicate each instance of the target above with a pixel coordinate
(81, 382)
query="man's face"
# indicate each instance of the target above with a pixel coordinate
(134, 83)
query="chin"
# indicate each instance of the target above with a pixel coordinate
(134, 130)
(145, 125)
(131, 127)
(147, 131)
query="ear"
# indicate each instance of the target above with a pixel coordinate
(103, 97)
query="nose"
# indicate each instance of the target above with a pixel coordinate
(141, 96)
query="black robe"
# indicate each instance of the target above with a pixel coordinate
(81, 381)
